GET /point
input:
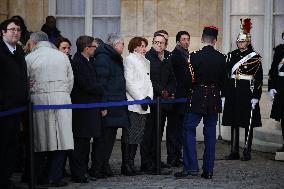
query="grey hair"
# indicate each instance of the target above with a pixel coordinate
(113, 38)
(39, 36)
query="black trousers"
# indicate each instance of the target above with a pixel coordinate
(48, 166)
(148, 147)
(79, 157)
(174, 136)
(9, 145)
(103, 148)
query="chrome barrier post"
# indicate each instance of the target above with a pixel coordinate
(158, 142)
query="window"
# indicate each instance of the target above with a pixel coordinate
(95, 18)
(267, 25)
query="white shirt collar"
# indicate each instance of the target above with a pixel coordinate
(11, 49)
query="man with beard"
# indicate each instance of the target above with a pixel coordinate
(179, 62)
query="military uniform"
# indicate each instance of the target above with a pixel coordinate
(208, 73)
(276, 81)
(243, 85)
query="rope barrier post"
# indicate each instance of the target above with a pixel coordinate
(31, 145)
(158, 142)
(219, 123)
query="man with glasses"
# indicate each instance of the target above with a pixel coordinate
(164, 85)
(13, 94)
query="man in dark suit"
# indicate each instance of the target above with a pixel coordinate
(208, 73)
(164, 85)
(179, 62)
(86, 122)
(13, 93)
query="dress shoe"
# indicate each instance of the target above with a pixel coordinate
(175, 163)
(107, 171)
(246, 156)
(186, 174)
(207, 175)
(233, 156)
(59, 183)
(96, 174)
(165, 165)
(80, 179)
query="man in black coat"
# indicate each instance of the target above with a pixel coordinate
(242, 94)
(86, 122)
(164, 85)
(208, 73)
(179, 62)
(13, 94)
(275, 86)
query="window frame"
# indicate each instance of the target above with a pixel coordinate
(88, 16)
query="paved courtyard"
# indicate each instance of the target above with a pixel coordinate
(262, 172)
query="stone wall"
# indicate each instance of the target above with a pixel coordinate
(144, 17)
(34, 12)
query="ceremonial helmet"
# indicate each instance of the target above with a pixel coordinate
(245, 26)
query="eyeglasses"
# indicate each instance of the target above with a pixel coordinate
(159, 42)
(15, 30)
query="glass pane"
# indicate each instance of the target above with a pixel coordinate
(104, 26)
(70, 7)
(247, 6)
(71, 28)
(279, 6)
(106, 7)
(257, 32)
(278, 29)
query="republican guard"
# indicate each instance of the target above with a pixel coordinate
(243, 92)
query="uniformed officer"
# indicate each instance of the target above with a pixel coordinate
(275, 86)
(208, 73)
(243, 91)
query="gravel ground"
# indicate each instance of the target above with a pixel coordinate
(261, 172)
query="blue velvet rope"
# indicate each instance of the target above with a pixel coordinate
(92, 105)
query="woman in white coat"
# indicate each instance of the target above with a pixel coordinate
(138, 87)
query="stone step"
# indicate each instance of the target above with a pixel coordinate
(263, 146)
(268, 135)
(279, 156)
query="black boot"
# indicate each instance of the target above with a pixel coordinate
(132, 153)
(125, 167)
(234, 155)
(247, 151)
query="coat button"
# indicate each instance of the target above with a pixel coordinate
(147, 73)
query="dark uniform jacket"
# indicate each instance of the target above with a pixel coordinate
(86, 89)
(208, 71)
(109, 66)
(161, 73)
(13, 78)
(239, 92)
(277, 82)
(179, 61)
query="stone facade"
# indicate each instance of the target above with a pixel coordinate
(144, 17)
(34, 12)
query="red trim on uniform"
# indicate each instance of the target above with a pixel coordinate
(212, 27)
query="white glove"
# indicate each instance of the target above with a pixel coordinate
(271, 93)
(253, 101)
(223, 102)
